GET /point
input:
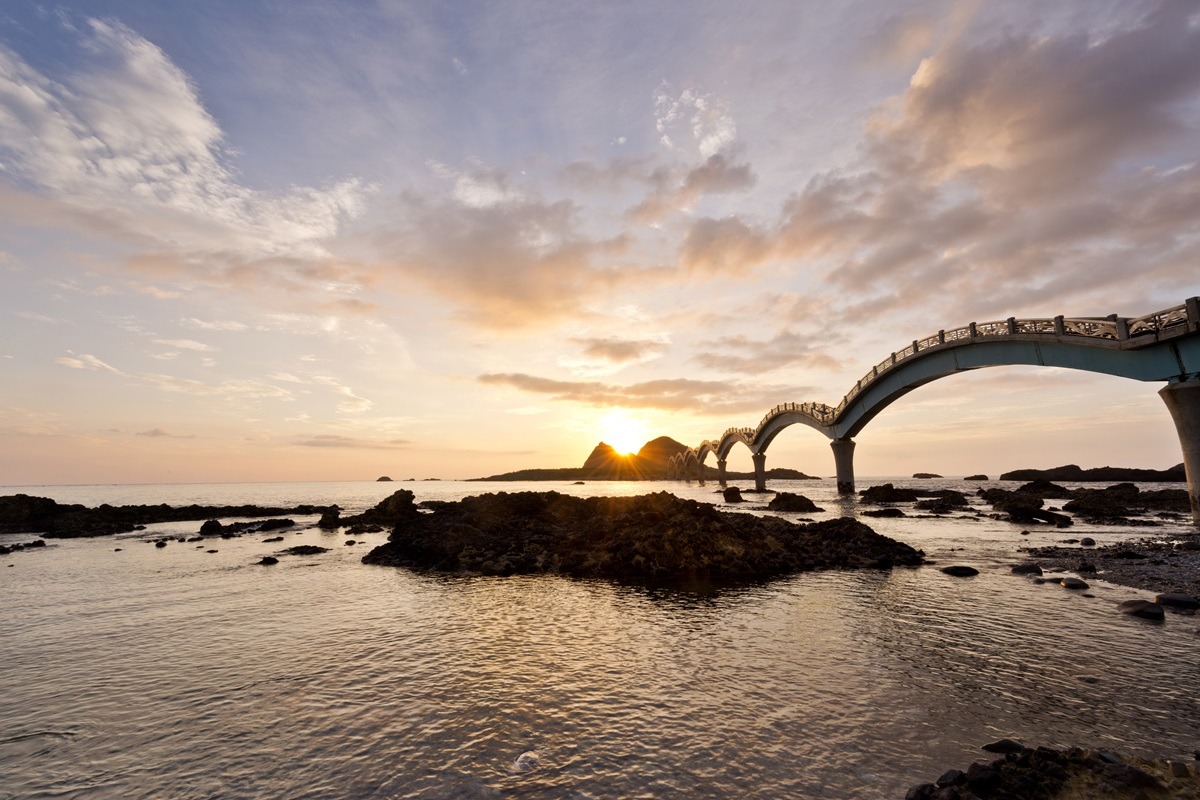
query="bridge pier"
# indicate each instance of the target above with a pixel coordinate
(843, 460)
(721, 472)
(1183, 401)
(760, 471)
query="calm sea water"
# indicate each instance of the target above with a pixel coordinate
(176, 673)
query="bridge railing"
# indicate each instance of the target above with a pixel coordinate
(1172, 321)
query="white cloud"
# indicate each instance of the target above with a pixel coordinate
(126, 138)
(187, 344)
(86, 361)
(214, 325)
(706, 117)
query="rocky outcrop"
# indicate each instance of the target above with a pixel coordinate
(1073, 472)
(657, 536)
(1045, 774)
(1022, 507)
(980, 477)
(383, 479)
(20, 513)
(1123, 499)
(732, 494)
(923, 475)
(1045, 489)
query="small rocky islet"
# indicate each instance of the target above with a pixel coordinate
(653, 536)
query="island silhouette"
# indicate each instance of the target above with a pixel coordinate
(647, 464)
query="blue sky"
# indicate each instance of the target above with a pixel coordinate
(306, 241)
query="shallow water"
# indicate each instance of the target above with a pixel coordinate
(172, 672)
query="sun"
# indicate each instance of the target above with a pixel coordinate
(623, 433)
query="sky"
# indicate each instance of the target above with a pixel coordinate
(268, 241)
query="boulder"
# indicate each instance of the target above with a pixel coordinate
(1142, 608)
(1041, 487)
(884, 512)
(798, 503)
(306, 550)
(1075, 584)
(1087, 541)
(1027, 569)
(1022, 507)
(732, 494)
(1003, 746)
(267, 561)
(888, 493)
(1178, 600)
(960, 571)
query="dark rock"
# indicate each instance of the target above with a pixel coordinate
(1045, 489)
(1003, 746)
(884, 512)
(982, 779)
(1073, 473)
(160, 543)
(1087, 541)
(1027, 569)
(273, 539)
(960, 571)
(786, 501)
(951, 777)
(1129, 776)
(732, 494)
(210, 551)
(1022, 507)
(976, 478)
(1075, 584)
(888, 493)
(383, 479)
(211, 527)
(360, 528)
(1142, 608)
(652, 536)
(1177, 600)
(306, 550)
(268, 560)
(116, 549)
(922, 475)
(330, 519)
(350, 543)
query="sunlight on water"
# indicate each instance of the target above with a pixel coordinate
(173, 672)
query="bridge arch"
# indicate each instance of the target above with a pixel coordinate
(1163, 346)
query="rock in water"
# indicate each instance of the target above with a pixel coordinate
(526, 762)
(797, 503)
(657, 536)
(960, 571)
(1177, 600)
(1142, 608)
(733, 495)
(383, 479)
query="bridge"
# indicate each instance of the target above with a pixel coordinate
(1160, 347)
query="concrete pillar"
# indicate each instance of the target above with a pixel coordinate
(760, 471)
(843, 459)
(1183, 401)
(721, 472)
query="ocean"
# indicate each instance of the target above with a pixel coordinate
(131, 671)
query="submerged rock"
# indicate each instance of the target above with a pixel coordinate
(657, 536)
(960, 571)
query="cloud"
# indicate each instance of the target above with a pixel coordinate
(159, 433)
(517, 264)
(704, 116)
(88, 362)
(717, 175)
(336, 440)
(125, 138)
(187, 344)
(214, 325)
(621, 351)
(670, 394)
(742, 355)
(38, 317)
(1024, 173)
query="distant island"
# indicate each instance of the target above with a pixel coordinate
(1073, 472)
(648, 464)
